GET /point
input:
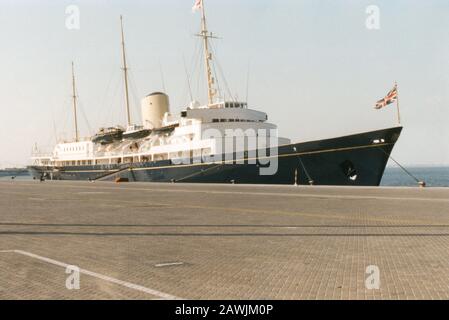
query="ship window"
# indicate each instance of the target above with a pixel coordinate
(214, 120)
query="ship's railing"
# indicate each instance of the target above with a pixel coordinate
(82, 139)
(114, 154)
(41, 155)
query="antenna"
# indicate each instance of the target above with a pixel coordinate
(74, 102)
(125, 71)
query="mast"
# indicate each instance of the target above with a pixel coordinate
(125, 71)
(207, 56)
(74, 102)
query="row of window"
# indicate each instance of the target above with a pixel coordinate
(235, 120)
(73, 149)
(156, 157)
(75, 163)
(235, 105)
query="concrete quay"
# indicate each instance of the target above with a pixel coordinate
(167, 241)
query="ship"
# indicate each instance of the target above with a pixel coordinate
(221, 141)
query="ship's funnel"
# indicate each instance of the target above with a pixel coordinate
(154, 107)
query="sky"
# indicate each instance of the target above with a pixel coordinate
(312, 65)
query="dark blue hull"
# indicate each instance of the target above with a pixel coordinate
(357, 160)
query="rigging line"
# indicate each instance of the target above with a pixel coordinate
(103, 103)
(214, 62)
(83, 113)
(216, 78)
(404, 169)
(225, 82)
(65, 117)
(200, 73)
(194, 61)
(216, 74)
(134, 90)
(185, 94)
(198, 173)
(197, 67)
(115, 103)
(188, 78)
(132, 84)
(217, 62)
(305, 170)
(54, 116)
(85, 118)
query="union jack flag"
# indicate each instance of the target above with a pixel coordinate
(391, 97)
(198, 5)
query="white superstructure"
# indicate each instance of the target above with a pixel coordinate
(198, 132)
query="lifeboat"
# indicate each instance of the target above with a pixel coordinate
(108, 135)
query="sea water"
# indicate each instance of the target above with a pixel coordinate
(432, 176)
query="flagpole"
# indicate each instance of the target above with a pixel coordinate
(397, 104)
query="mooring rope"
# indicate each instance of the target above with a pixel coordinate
(197, 173)
(305, 170)
(420, 182)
